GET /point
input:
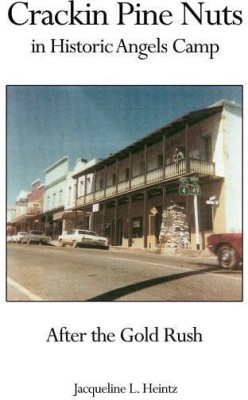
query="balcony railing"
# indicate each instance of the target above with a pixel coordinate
(173, 170)
(137, 181)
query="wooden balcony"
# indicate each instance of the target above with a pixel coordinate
(173, 170)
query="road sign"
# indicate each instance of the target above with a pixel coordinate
(213, 202)
(195, 189)
(184, 189)
(153, 211)
(192, 189)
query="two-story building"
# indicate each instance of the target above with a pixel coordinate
(35, 204)
(132, 189)
(29, 206)
(19, 222)
(51, 220)
(72, 218)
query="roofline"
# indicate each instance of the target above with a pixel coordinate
(225, 103)
(169, 129)
(57, 163)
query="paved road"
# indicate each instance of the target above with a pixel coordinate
(47, 273)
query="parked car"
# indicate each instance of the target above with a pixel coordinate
(228, 247)
(36, 237)
(19, 237)
(81, 237)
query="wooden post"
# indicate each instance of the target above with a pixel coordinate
(196, 222)
(145, 220)
(115, 224)
(129, 221)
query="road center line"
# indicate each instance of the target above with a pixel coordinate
(173, 267)
(23, 290)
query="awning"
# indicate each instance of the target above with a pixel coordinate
(64, 215)
(58, 215)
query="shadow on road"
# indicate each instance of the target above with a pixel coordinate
(135, 287)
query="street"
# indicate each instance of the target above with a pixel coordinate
(50, 273)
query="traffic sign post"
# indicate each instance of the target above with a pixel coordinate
(191, 187)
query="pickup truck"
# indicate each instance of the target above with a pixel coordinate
(36, 237)
(228, 247)
(81, 237)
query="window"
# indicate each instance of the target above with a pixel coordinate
(127, 174)
(137, 227)
(60, 197)
(54, 200)
(69, 196)
(48, 202)
(160, 160)
(114, 179)
(81, 188)
(141, 167)
(207, 144)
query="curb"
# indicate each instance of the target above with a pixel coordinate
(186, 255)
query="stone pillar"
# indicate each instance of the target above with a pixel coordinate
(174, 232)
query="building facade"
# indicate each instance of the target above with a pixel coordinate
(132, 188)
(77, 189)
(51, 221)
(28, 208)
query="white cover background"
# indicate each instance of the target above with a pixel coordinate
(33, 369)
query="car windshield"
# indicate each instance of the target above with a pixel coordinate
(87, 233)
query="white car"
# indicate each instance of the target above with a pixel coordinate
(36, 237)
(81, 237)
(19, 237)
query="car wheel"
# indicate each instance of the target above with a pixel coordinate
(227, 257)
(74, 243)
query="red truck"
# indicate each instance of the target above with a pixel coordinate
(228, 247)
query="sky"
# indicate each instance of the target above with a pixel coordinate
(45, 123)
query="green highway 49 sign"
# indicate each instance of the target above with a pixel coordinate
(187, 189)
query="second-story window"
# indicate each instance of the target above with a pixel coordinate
(101, 183)
(160, 160)
(69, 196)
(81, 188)
(60, 197)
(207, 148)
(54, 200)
(114, 179)
(141, 167)
(127, 174)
